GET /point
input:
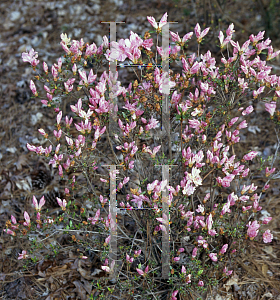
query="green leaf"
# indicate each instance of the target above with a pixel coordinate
(199, 272)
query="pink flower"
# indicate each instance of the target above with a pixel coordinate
(270, 107)
(33, 88)
(143, 273)
(200, 283)
(107, 240)
(243, 124)
(96, 217)
(227, 272)
(188, 278)
(269, 172)
(118, 50)
(255, 39)
(250, 155)
(23, 255)
(224, 249)
(212, 232)
(200, 209)
(248, 110)
(176, 258)
(226, 208)
(9, 231)
(174, 294)
(267, 236)
(30, 57)
(213, 256)
(270, 54)
(194, 124)
(137, 253)
(258, 92)
(209, 222)
(54, 73)
(27, 219)
(222, 39)
(107, 269)
(232, 121)
(200, 35)
(74, 69)
(41, 204)
(102, 200)
(129, 259)
(162, 21)
(78, 106)
(164, 220)
(57, 134)
(42, 131)
(155, 151)
(152, 124)
(69, 85)
(230, 30)
(253, 229)
(45, 68)
(13, 219)
(245, 208)
(147, 44)
(61, 203)
(86, 80)
(176, 38)
(256, 206)
(194, 252)
(266, 220)
(91, 49)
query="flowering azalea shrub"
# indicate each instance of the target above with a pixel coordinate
(214, 206)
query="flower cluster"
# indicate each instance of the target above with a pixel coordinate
(206, 113)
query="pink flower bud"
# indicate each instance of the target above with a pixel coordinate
(200, 283)
(266, 220)
(270, 107)
(194, 253)
(224, 249)
(45, 68)
(58, 117)
(232, 121)
(33, 88)
(213, 256)
(269, 172)
(267, 236)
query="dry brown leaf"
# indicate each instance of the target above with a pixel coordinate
(22, 161)
(268, 249)
(233, 280)
(84, 273)
(87, 285)
(264, 269)
(80, 289)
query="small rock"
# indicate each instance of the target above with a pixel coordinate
(36, 118)
(61, 12)
(35, 42)
(96, 8)
(21, 84)
(236, 287)
(77, 32)
(11, 149)
(267, 151)
(8, 25)
(15, 15)
(269, 273)
(76, 9)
